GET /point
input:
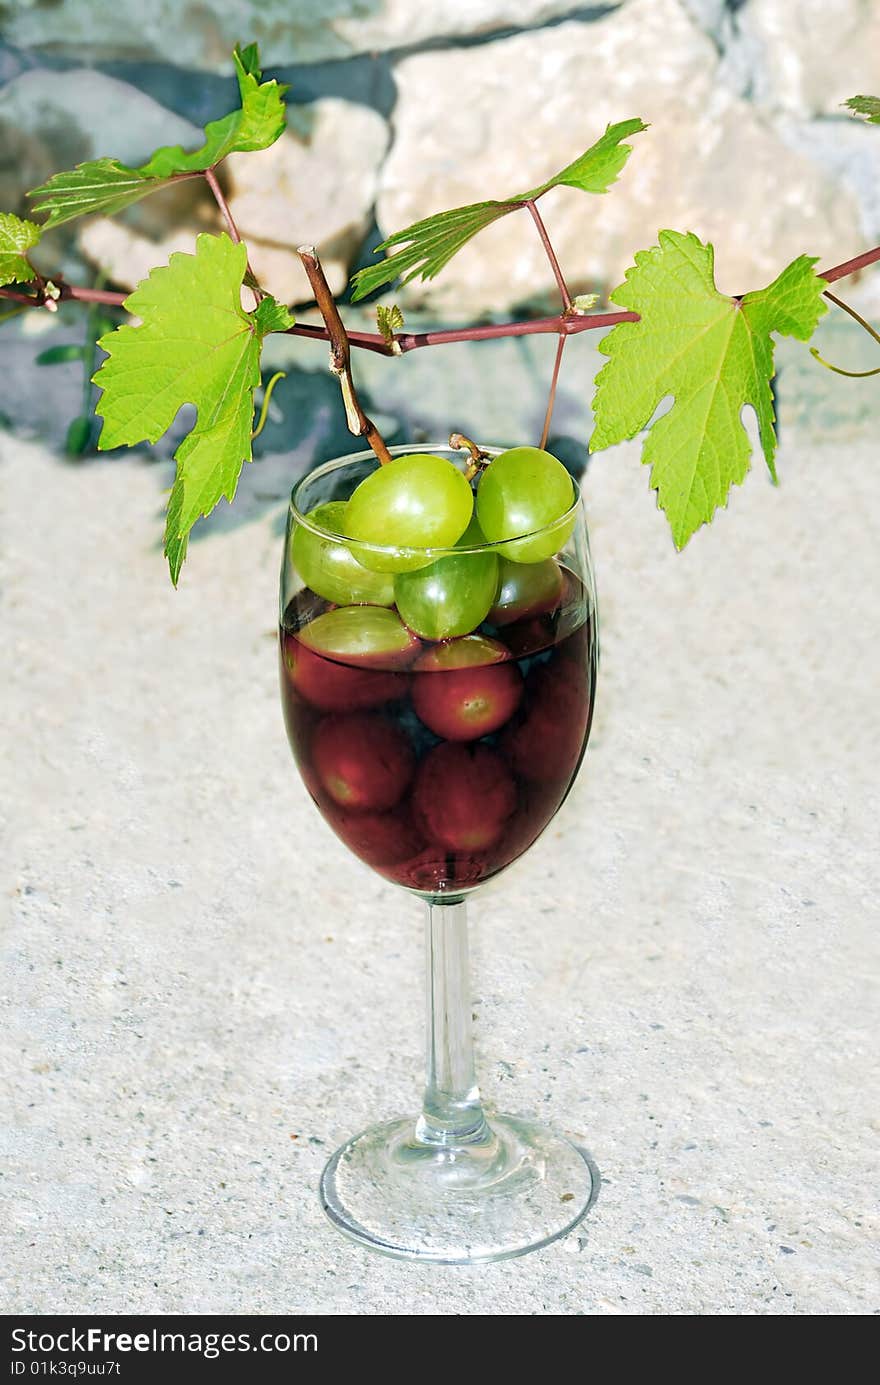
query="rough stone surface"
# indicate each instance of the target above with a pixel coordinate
(848, 150)
(748, 146)
(316, 185)
(196, 972)
(126, 255)
(711, 15)
(708, 164)
(63, 118)
(810, 62)
(290, 31)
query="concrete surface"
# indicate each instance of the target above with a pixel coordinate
(203, 992)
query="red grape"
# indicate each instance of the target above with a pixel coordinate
(338, 687)
(538, 801)
(526, 589)
(380, 839)
(547, 741)
(362, 760)
(467, 703)
(527, 637)
(464, 795)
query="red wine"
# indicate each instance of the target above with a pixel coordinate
(441, 773)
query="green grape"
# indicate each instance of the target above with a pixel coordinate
(365, 636)
(521, 491)
(331, 569)
(418, 501)
(451, 596)
(526, 589)
(471, 651)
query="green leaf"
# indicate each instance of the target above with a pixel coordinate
(868, 106)
(59, 355)
(428, 245)
(249, 57)
(102, 185)
(16, 238)
(195, 345)
(389, 320)
(107, 186)
(713, 354)
(272, 316)
(600, 166)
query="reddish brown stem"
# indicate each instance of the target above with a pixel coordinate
(548, 417)
(478, 458)
(211, 180)
(567, 312)
(15, 297)
(551, 256)
(92, 295)
(536, 326)
(411, 341)
(368, 341)
(234, 233)
(340, 354)
(840, 271)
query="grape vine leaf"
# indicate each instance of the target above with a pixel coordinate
(107, 186)
(597, 168)
(17, 237)
(713, 354)
(271, 316)
(195, 345)
(389, 319)
(868, 106)
(427, 246)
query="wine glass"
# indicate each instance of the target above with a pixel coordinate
(438, 715)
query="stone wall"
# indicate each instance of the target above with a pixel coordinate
(402, 108)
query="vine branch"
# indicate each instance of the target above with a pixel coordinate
(340, 354)
(840, 271)
(412, 341)
(545, 432)
(219, 198)
(551, 255)
(234, 233)
(73, 291)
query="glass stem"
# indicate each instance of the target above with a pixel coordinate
(451, 1112)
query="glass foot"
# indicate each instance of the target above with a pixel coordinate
(515, 1187)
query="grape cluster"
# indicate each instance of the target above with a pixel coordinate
(367, 556)
(438, 763)
(438, 781)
